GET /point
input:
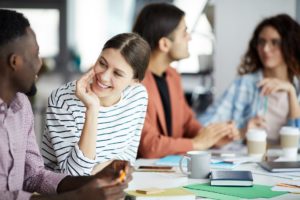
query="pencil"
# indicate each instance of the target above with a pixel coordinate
(122, 176)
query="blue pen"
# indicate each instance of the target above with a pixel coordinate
(265, 104)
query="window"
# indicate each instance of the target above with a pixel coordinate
(201, 46)
(94, 23)
(48, 19)
(45, 23)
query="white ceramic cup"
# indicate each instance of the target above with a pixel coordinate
(198, 164)
(289, 141)
(256, 142)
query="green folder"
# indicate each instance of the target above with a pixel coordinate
(213, 195)
(256, 191)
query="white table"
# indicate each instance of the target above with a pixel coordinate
(176, 179)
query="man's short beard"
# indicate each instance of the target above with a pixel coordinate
(32, 91)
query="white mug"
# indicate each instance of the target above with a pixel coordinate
(198, 164)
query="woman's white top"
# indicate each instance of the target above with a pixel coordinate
(118, 132)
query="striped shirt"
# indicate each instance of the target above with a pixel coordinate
(118, 130)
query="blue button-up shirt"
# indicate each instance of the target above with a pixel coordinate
(241, 102)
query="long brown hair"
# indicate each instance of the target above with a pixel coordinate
(289, 31)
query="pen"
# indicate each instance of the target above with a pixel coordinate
(122, 176)
(265, 105)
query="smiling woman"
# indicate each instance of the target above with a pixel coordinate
(99, 117)
(112, 75)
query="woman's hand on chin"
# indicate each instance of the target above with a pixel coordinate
(84, 90)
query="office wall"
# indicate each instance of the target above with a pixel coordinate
(235, 21)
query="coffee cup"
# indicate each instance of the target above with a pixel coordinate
(289, 141)
(198, 164)
(256, 142)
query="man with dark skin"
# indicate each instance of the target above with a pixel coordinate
(22, 169)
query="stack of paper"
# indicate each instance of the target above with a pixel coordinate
(159, 180)
(241, 159)
(286, 175)
(281, 166)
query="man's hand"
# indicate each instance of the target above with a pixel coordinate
(114, 169)
(88, 188)
(109, 183)
(211, 134)
(234, 135)
(101, 189)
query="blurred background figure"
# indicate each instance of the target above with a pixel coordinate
(170, 125)
(266, 94)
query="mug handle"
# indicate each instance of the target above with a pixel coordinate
(181, 165)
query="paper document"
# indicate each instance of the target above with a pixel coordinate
(286, 175)
(174, 160)
(167, 194)
(286, 189)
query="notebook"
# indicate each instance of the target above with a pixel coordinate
(166, 194)
(281, 166)
(231, 178)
